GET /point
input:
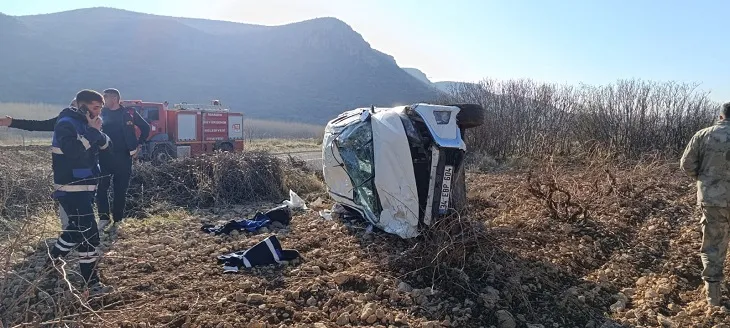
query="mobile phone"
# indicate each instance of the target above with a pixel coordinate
(83, 109)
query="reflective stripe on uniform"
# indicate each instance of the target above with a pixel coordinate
(75, 188)
(63, 245)
(87, 254)
(88, 260)
(56, 150)
(63, 242)
(84, 141)
(106, 144)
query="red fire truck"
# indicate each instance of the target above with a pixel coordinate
(186, 130)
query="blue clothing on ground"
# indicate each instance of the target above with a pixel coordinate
(252, 225)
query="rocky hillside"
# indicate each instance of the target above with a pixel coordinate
(307, 71)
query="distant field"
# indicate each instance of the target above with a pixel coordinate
(277, 145)
(306, 134)
(262, 129)
(35, 111)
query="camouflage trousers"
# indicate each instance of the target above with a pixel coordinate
(715, 236)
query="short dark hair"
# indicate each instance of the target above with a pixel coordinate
(87, 96)
(725, 111)
(113, 92)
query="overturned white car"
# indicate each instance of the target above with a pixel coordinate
(401, 168)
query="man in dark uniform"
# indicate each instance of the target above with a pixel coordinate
(116, 166)
(77, 140)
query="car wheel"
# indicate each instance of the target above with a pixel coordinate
(226, 147)
(470, 115)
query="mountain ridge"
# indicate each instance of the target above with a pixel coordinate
(447, 87)
(307, 71)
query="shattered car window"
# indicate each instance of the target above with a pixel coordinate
(355, 145)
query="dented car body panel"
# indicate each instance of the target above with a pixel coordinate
(398, 167)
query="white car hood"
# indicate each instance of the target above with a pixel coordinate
(394, 177)
(395, 181)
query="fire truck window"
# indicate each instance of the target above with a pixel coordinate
(153, 113)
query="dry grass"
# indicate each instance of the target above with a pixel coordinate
(284, 145)
(265, 129)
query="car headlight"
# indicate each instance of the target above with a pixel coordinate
(442, 116)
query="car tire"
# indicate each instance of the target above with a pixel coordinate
(470, 115)
(226, 147)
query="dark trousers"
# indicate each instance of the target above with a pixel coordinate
(116, 168)
(81, 232)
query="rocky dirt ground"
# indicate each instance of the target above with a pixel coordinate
(569, 245)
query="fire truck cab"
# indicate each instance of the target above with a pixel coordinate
(186, 130)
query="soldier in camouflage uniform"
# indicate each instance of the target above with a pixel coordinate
(707, 160)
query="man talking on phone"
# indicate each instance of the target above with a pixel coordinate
(77, 140)
(116, 166)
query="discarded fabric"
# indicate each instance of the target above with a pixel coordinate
(266, 252)
(280, 214)
(260, 220)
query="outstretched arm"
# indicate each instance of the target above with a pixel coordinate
(29, 125)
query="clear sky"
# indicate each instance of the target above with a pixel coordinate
(563, 41)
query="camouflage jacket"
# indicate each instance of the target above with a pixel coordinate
(707, 159)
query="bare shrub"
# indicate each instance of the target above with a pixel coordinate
(26, 182)
(632, 117)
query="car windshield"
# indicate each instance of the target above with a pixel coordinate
(355, 145)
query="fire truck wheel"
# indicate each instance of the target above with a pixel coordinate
(226, 146)
(162, 154)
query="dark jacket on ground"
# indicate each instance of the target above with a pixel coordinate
(34, 125)
(75, 148)
(129, 119)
